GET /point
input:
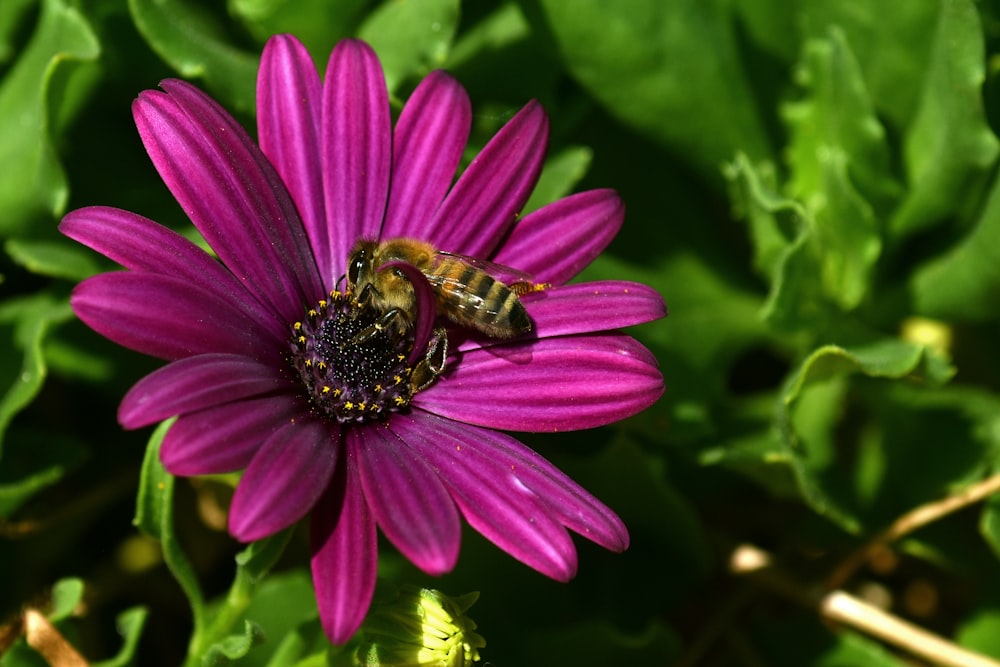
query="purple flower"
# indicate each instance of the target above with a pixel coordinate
(282, 219)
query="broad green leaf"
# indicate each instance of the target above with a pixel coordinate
(785, 250)
(964, 282)
(284, 605)
(12, 13)
(835, 121)
(502, 27)
(410, 37)
(189, 40)
(318, 24)
(561, 173)
(54, 259)
(24, 327)
(66, 595)
(673, 70)
(130, 624)
(949, 148)
(811, 401)
(303, 645)
(34, 185)
(154, 516)
(889, 39)
(981, 632)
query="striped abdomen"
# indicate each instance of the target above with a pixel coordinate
(473, 298)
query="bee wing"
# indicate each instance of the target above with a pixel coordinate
(505, 274)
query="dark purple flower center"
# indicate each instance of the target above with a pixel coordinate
(352, 366)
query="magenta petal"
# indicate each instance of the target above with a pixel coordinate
(289, 94)
(409, 502)
(552, 384)
(428, 144)
(224, 438)
(557, 241)
(357, 148)
(284, 480)
(485, 201)
(168, 317)
(592, 307)
(522, 468)
(196, 383)
(231, 193)
(491, 497)
(344, 554)
(141, 244)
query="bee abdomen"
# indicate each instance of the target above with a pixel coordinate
(476, 300)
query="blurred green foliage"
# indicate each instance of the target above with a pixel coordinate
(812, 187)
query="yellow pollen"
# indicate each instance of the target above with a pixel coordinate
(349, 405)
(297, 326)
(362, 405)
(326, 389)
(337, 392)
(322, 365)
(397, 379)
(312, 312)
(400, 401)
(378, 388)
(309, 363)
(302, 340)
(322, 303)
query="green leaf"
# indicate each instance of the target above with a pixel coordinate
(964, 283)
(130, 625)
(318, 24)
(672, 70)
(25, 324)
(12, 13)
(811, 404)
(154, 516)
(194, 43)
(66, 595)
(259, 557)
(233, 647)
(835, 121)
(54, 259)
(561, 173)
(981, 632)
(34, 186)
(949, 148)
(411, 37)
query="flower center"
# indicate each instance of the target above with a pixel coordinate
(353, 366)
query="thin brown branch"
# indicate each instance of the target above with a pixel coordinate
(907, 523)
(845, 609)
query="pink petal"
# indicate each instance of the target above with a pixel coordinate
(169, 317)
(289, 94)
(231, 193)
(552, 384)
(196, 383)
(409, 502)
(493, 501)
(357, 148)
(428, 143)
(141, 244)
(344, 554)
(224, 438)
(286, 477)
(485, 201)
(557, 241)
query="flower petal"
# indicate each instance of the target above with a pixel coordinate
(231, 193)
(344, 554)
(551, 384)
(141, 244)
(428, 144)
(409, 502)
(592, 307)
(557, 241)
(522, 468)
(289, 91)
(492, 499)
(485, 201)
(224, 438)
(168, 317)
(286, 477)
(357, 148)
(196, 383)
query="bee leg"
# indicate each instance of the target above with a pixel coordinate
(432, 365)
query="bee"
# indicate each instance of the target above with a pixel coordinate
(465, 288)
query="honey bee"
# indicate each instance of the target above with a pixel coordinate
(466, 292)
